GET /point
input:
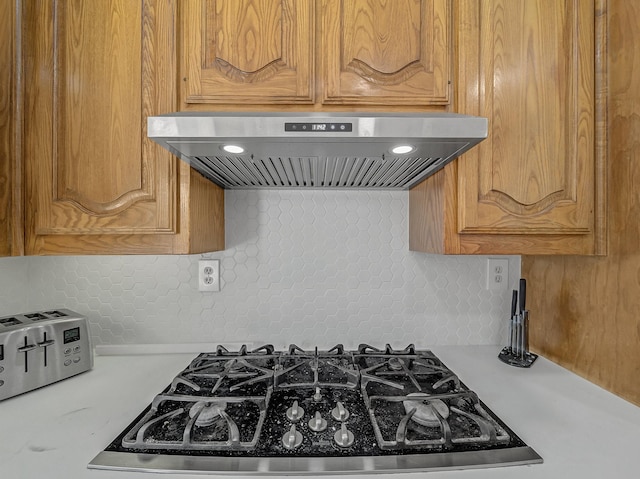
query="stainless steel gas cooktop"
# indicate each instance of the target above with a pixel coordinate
(315, 412)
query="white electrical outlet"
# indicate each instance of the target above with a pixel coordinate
(208, 275)
(497, 274)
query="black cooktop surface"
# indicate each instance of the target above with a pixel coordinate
(333, 403)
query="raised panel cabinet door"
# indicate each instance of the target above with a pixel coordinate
(93, 73)
(534, 64)
(247, 51)
(382, 52)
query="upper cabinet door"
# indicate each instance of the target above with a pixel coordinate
(93, 72)
(381, 52)
(536, 185)
(90, 168)
(247, 51)
(529, 68)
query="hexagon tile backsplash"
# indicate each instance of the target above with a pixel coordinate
(311, 268)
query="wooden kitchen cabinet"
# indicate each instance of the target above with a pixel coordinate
(93, 71)
(5, 208)
(315, 52)
(385, 53)
(7, 28)
(536, 184)
(10, 204)
(94, 184)
(247, 51)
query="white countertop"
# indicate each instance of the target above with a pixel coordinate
(579, 429)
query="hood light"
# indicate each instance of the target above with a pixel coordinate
(402, 149)
(237, 149)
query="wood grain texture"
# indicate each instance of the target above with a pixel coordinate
(7, 123)
(530, 187)
(97, 96)
(584, 311)
(247, 51)
(84, 136)
(206, 231)
(432, 224)
(425, 214)
(11, 159)
(94, 72)
(537, 79)
(385, 53)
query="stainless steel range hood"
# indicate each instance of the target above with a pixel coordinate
(317, 150)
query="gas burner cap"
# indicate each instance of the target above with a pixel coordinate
(395, 364)
(428, 411)
(207, 412)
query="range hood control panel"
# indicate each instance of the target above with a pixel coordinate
(319, 127)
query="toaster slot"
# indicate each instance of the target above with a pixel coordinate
(10, 321)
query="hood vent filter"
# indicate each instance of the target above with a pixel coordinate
(238, 172)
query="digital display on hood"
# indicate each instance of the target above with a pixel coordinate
(319, 127)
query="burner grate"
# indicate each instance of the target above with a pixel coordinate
(280, 411)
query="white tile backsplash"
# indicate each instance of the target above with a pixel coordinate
(13, 286)
(309, 267)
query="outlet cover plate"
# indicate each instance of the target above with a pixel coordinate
(497, 274)
(209, 275)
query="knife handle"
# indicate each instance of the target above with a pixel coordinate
(523, 295)
(514, 302)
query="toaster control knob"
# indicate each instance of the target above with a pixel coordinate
(317, 424)
(292, 438)
(295, 412)
(343, 437)
(340, 413)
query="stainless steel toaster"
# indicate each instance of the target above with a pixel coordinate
(41, 348)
